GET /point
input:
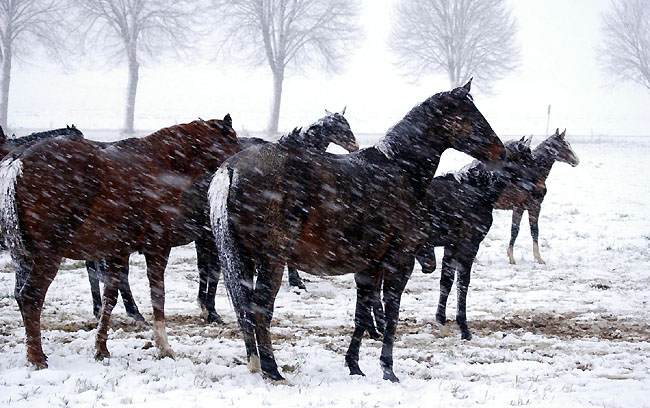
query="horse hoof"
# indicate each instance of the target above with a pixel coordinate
(101, 355)
(354, 369)
(167, 353)
(213, 317)
(39, 363)
(273, 375)
(466, 336)
(390, 376)
(297, 284)
(136, 316)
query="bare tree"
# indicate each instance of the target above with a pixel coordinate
(23, 24)
(290, 35)
(625, 52)
(462, 38)
(135, 30)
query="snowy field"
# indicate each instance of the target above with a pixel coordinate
(573, 332)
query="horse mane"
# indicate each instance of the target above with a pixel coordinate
(70, 132)
(404, 136)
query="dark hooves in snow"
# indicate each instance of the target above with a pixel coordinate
(214, 317)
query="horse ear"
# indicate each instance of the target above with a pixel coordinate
(468, 85)
(328, 112)
(227, 119)
(557, 132)
(3, 137)
(522, 138)
(529, 141)
(563, 134)
(343, 111)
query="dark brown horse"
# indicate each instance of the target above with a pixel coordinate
(460, 206)
(194, 224)
(359, 213)
(518, 199)
(79, 200)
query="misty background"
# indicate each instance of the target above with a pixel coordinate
(558, 67)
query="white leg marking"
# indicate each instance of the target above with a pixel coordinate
(538, 257)
(254, 364)
(160, 338)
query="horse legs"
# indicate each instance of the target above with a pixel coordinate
(269, 279)
(209, 271)
(426, 256)
(294, 278)
(111, 285)
(127, 295)
(367, 288)
(93, 278)
(533, 219)
(156, 263)
(446, 281)
(394, 283)
(32, 282)
(464, 275)
(517, 213)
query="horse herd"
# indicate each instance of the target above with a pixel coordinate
(252, 207)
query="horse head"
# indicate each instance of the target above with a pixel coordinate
(561, 150)
(518, 166)
(332, 128)
(467, 128)
(336, 129)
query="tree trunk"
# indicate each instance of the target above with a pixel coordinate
(131, 90)
(6, 79)
(278, 78)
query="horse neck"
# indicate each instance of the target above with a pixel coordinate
(544, 159)
(312, 138)
(411, 147)
(169, 149)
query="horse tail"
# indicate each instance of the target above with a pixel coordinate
(232, 267)
(10, 171)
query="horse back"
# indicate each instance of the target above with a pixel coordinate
(322, 213)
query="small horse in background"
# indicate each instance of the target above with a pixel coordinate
(460, 208)
(518, 199)
(330, 215)
(84, 200)
(194, 222)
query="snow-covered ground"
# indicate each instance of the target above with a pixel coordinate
(573, 332)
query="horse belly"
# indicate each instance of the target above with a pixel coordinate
(336, 246)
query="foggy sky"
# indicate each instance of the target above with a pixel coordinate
(558, 40)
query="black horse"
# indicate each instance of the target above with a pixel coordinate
(194, 224)
(460, 208)
(518, 199)
(360, 213)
